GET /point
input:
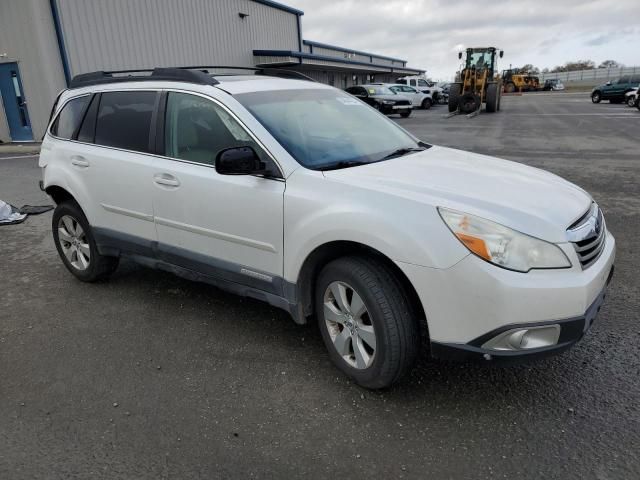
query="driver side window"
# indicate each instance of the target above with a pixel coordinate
(196, 130)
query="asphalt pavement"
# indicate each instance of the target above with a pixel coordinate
(152, 376)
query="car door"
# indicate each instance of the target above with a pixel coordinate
(616, 89)
(412, 94)
(226, 226)
(108, 163)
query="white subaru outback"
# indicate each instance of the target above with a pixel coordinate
(299, 194)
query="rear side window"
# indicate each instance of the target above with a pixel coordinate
(413, 83)
(68, 120)
(124, 120)
(635, 79)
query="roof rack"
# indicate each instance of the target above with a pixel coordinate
(172, 74)
(193, 74)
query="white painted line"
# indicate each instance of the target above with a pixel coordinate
(20, 156)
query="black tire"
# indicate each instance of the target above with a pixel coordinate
(492, 97)
(631, 101)
(469, 102)
(405, 113)
(499, 97)
(99, 266)
(426, 104)
(454, 94)
(509, 87)
(596, 97)
(389, 311)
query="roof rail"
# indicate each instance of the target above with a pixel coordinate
(115, 76)
(192, 74)
(271, 71)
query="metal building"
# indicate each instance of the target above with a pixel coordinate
(44, 43)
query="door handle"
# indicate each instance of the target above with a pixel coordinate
(79, 161)
(166, 179)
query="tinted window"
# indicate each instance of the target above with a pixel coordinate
(635, 79)
(402, 81)
(197, 129)
(88, 129)
(413, 83)
(124, 120)
(624, 80)
(68, 121)
(423, 83)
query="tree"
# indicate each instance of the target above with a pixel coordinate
(610, 64)
(575, 65)
(545, 70)
(528, 68)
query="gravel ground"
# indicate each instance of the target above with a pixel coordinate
(152, 376)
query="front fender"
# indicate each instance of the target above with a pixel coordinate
(319, 211)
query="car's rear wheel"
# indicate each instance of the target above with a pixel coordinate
(367, 322)
(596, 97)
(76, 245)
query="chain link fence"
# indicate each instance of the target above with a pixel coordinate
(593, 77)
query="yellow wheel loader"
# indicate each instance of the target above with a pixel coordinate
(477, 83)
(519, 82)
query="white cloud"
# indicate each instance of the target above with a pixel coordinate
(428, 33)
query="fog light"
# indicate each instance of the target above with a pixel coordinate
(525, 338)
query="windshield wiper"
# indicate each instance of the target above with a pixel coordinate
(402, 151)
(343, 164)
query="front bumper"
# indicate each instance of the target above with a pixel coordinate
(474, 300)
(571, 331)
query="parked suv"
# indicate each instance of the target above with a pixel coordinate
(423, 85)
(418, 98)
(298, 194)
(615, 91)
(383, 99)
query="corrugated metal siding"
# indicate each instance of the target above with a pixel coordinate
(27, 36)
(123, 34)
(329, 52)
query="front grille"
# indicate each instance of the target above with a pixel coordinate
(403, 102)
(588, 236)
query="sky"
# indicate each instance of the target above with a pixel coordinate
(429, 33)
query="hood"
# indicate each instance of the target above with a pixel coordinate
(524, 198)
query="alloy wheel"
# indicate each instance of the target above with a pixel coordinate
(349, 325)
(73, 242)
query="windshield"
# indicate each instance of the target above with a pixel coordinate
(327, 128)
(480, 59)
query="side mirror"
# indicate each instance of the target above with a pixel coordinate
(239, 161)
(501, 53)
(460, 55)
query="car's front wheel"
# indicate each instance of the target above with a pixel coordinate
(595, 97)
(367, 322)
(631, 101)
(76, 245)
(405, 113)
(426, 104)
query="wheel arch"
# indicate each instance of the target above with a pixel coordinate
(59, 194)
(327, 252)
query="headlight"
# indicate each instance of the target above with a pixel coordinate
(388, 102)
(503, 246)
